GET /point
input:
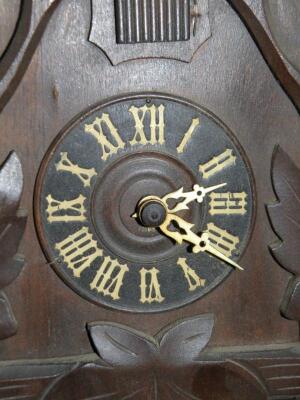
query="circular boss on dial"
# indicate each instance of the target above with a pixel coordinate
(145, 203)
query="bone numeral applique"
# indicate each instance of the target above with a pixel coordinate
(150, 287)
(227, 203)
(84, 174)
(194, 281)
(66, 210)
(109, 278)
(222, 240)
(156, 134)
(188, 135)
(79, 250)
(106, 134)
(217, 164)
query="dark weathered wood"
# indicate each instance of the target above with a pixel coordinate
(284, 26)
(8, 323)
(9, 14)
(256, 16)
(29, 30)
(291, 302)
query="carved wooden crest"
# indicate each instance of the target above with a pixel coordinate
(144, 32)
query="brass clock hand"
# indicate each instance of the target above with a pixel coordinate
(215, 252)
(198, 194)
(201, 243)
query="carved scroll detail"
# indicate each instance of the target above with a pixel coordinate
(254, 14)
(12, 225)
(285, 219)
(17, 57)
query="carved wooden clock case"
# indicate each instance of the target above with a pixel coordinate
(149, 199)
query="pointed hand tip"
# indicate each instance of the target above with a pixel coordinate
(237, 266)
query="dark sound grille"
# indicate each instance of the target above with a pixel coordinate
(150, 21)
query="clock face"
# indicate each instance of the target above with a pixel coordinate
(94, 178)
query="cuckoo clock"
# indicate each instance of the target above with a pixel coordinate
(149, 199)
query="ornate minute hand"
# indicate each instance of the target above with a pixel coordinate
(198, 194)
(201, 243)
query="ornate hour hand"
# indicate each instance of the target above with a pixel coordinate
(198, 194)
(200, 243)
(160, 205)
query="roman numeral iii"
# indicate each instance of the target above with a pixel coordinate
(227, 203)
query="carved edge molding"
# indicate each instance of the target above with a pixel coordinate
(285, 219)
(12, 226)
(172, 365)
(284, 28)
(15, 61)
(252, 14)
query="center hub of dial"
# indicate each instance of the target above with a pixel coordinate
(119, 194)
(152, 212)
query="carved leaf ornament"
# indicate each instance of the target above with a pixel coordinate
(285, 219)
(136, 366)
(12, 225)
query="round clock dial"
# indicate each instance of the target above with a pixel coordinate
(145, 203)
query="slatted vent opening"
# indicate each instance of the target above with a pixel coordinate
(150, 21)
